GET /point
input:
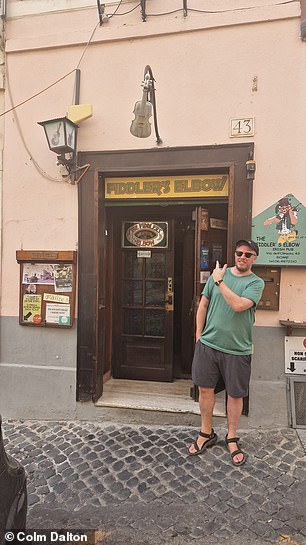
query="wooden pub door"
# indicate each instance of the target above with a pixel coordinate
(143, 298)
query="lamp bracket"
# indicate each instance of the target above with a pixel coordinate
(101, 10)
(67, 162)
(250, 167)
(151, 97)
(143, 10)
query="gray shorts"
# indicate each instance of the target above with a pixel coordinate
(209, 365)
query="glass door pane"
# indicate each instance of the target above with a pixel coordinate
(154, 293)
(155, 323)
(143, 286)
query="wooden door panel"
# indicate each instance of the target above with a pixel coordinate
(143, 359)
(143, 322)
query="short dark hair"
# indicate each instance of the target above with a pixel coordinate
(244, 242)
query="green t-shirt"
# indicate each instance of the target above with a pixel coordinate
(225, 329)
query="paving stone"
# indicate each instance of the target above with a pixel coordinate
(171, 497)
(236, 502)
(296, 523)
(33, 499)
(270, 508)
(60, 458)
(299, 473)
(135, 466)
(58, 488)
(72, 478)
(55, 479)
(257, 501)
(50, 498)
(212, 500)
(164, 523)
(222, 533)
(197, 533)
(79, 485)
(42, 490)
(259, 529)
(125, 476)
(221, 507)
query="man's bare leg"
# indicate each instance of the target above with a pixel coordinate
(206, 403)
(234, 410)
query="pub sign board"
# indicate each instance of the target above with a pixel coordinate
(280, 232)
(144, 234)
(167, 187)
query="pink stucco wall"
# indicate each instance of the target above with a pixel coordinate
(204, 67)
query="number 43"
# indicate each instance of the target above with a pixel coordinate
(242, 127)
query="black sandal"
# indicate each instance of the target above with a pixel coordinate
(235, 452)
(212, 439)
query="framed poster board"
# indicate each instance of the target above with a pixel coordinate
(47, 288)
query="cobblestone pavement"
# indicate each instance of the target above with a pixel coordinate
(137, 485)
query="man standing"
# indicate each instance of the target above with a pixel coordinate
(224, 346)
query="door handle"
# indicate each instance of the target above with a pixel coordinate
(169, 296)
(169, 299)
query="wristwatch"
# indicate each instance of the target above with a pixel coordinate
(218, 282)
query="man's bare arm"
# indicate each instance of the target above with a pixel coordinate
(237, 303)
(201, 316)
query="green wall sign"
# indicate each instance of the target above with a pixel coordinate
(280, 232)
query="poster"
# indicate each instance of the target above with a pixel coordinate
(54, 298)
(38, 273)
(57, 313)
(31, 308)
(63, 277)
(216, 223)
(217, 253)
(204, 276)
(280, 232)
(205, 258)
(204, 219)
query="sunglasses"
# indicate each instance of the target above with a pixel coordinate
(247, 254)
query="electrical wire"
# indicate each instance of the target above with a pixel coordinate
(219, 11)
(36, 165)
(126, 12)
(239, 9)
(14, 108)
(36, 94)
(165, 13)
(55, 82)
(87, 45)
(112, 15)
(117, 14)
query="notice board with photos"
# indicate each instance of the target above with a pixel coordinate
(47, 287)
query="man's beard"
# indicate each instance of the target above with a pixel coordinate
(242, 268)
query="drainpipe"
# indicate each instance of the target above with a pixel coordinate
(303, 20)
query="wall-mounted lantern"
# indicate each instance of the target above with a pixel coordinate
(61, 134)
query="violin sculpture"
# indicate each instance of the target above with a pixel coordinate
(141, 126)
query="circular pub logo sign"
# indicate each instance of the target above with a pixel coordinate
(145, 234)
